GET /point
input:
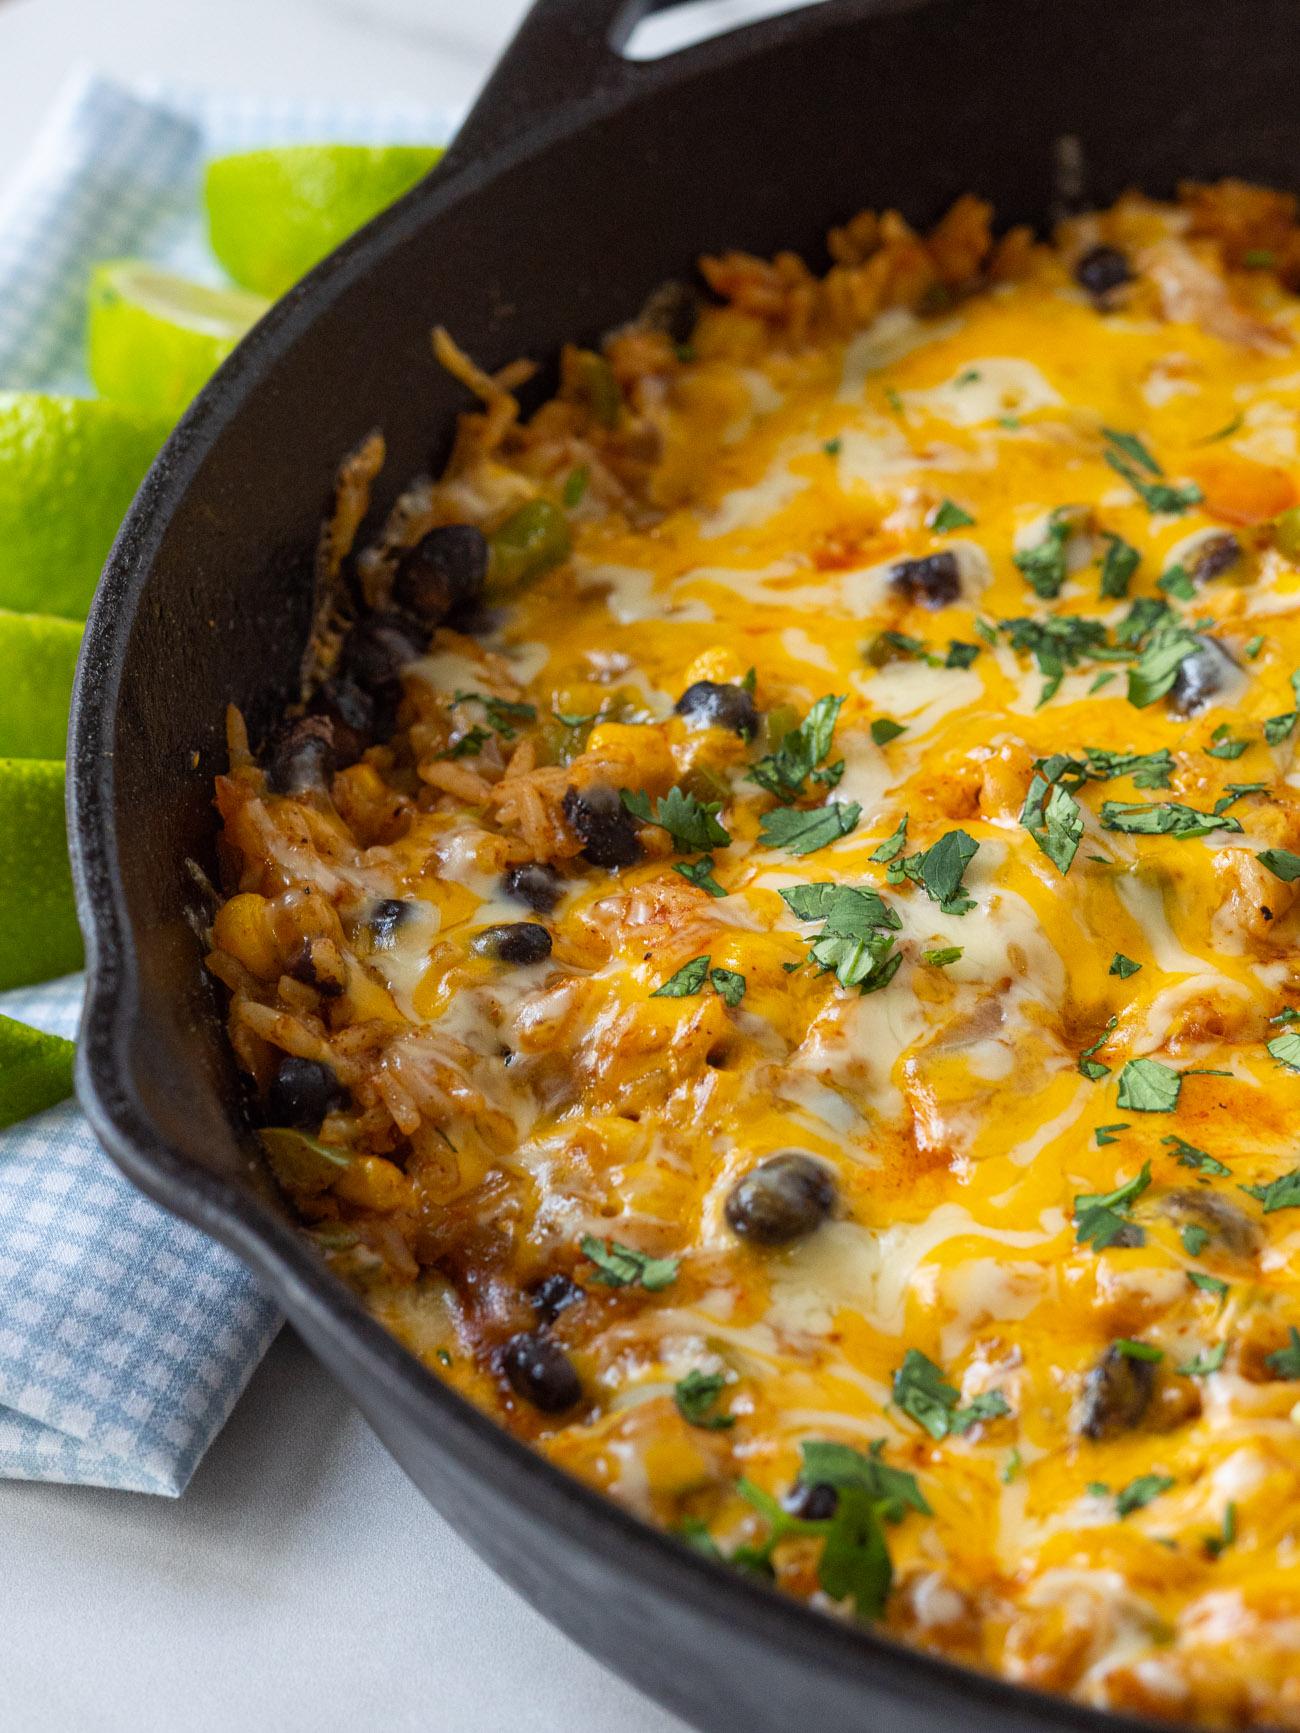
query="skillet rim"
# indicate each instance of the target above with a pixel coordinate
(486, 147)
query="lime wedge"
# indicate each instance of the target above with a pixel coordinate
(38, 657)
(69, 467)
(152, 339)
(39, 937)
(35, 1070)
(273, 214)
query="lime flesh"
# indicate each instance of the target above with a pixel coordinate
(153, 339)
(273, 214)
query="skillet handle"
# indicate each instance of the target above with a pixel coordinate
(565, 53)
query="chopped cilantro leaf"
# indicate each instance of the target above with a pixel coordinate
(1286, 1049)
(1012, 1468)
(1231, 427)
(728, 984)
(696, 1394)
(1281, 863)
(1132, 1350)
(1157, 496)
(1162, 818)
(1218, 1543)
(941, 870)
(1105, 1133)
(1123, 966)
(1146, 1086)
(1100, 1218)
(947, 516)
(785, 771)
(1133, 448)
(1053, 817)
(960, 655)
(470, 744)
(1156, 668)
(700, 874)
(894, 1490)
(919, 1390)
(970, 377)
(618, 1266)
(694, 1532)
(832, 447)
(1117, 567)
(1254, 647)
(1208, 1284)
(989, 1405)
(1100, 681)
(884, 729)
(1093, 1068)
(692, 823)
(1280, 1193)
(1194, 1241)
(1148, 769)
(1278, 728)
(1189, 1156)
(940, 959)
(855, 1559)
(1140, 1492)
(856, 940)
(688, 980)
(806, 832)
(1285, 1363)
(501, 712)
(1175, 582)
(1043, 566)
(892, 844)
(1225, 745)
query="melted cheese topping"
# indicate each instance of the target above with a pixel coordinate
(1147, 1558)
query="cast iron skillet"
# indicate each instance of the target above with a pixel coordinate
(579, 183)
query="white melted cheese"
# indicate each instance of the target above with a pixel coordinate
(632, 595)
(747, 508)
(985, 390)
(1143, 899)
(922, 695)
(892, 335)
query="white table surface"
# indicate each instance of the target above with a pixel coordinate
(301, 1583)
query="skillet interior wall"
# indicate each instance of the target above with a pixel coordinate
(730, 144)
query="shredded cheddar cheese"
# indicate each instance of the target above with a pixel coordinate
(797, 1010)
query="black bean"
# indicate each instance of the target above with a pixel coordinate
(1102, 269)
(1230, 1228)
(606, 828)
(385, 918)
(553, 1293)
(444, 569)
(537, 886)
(376, 651)
(519, 942)
(815, 1503)
(1214, 556)
(1200, 677)
(541, 1372)
(303, 1091)
(300, 755)
(782, 1199)
(351, 712)
(708, 704)
(934, 581)
(1115, 1396)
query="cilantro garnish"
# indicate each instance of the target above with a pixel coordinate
(1093, 1068)
(1189, 1156)
(960, 655)
(1194, 1241)
(884, 729)
(1118, 565)
(1123, 966)
(1255, 645)
(1140, 1492)
(700, 873)
(832, 447)
(1043, 566)
(1148, 769)
(941, 958)
(892, 844)
(1208, 1284)
(694, 1532)
(728, 985)
(856, 941)
(1281, 863)
(1156, 668)
(1175, 582)
(501, 712)
(1101, 1218)
(1012, 1468)
(1286, 1361)
(688, 980)
(618, 1266)
(1233, 426)
(784, 772)
(1146, 1086)
(1125, 453)
(1278, 728)
(1225, 744)
(1054, 819)
(692, 823)
(1280, 1193)
(939, 871)
(806, 832)
(1286, 1049)
(1162, 818)
(1059, 642)
(1132, 1350)
(919, 1389)
(1105, 1133)
(1217, 1543)
(947, 516)
(696, 1394)
(893, 1490)
(470, 744)
(854, 1561)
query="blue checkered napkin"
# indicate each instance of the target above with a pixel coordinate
(125, 1335)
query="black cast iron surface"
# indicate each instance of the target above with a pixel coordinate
(579, 184)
